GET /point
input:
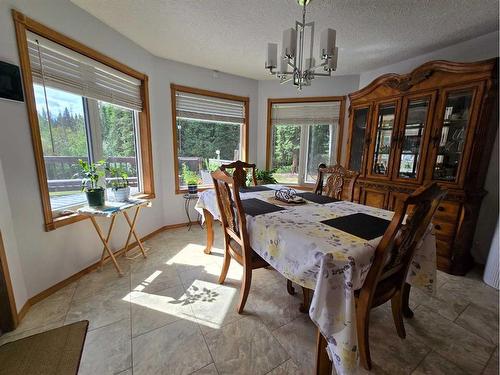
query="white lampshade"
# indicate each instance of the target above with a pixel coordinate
(289, 43)
(331, 62)
(327, 43)
(283, 66)
(272, 56)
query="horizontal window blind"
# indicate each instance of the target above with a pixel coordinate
(208, 108)
(305, 113)
(57, 66)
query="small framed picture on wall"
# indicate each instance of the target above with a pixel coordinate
(10, 82)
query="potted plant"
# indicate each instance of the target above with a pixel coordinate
(190, 178)
(90, 173)
(119, 184)
(264, 177)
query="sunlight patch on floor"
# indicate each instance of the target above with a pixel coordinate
(203, 302)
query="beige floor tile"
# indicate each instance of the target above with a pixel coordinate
(444, 303)
(177, 348)
(472, 290)
(389, 352)
(107, 350)
(287, 368)
(299, 339)
(207, 370)
(481, 321)
(245, 347)
(467, 350)
(213, 305)
(273, 305)
(492, 366)
(149, 278)
(104, 281)
(19, 334)
(52, 310)
(434, 364)
(155, 310)
(100, 309)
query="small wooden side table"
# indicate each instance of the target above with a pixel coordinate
(111, 210)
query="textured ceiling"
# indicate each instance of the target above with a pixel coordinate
(232, 35)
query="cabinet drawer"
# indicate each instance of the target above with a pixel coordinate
(447, 212)
(444, 228)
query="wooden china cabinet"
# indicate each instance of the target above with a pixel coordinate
(437, 123)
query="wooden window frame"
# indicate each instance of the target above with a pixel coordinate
(174, 88)
(23, 24)
(310, 99)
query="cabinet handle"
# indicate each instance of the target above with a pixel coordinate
(437, 226)
(440, 208)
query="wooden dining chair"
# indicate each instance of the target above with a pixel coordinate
(387, 276)
(339, 184)
(236, 240)
(240, 171)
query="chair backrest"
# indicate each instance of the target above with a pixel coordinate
(231, 211)
(240, 173)
(396, 249)
(339, 182)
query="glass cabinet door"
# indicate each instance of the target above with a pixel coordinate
(451, 140)
(410, 141)
(360, 121)
(383, 139)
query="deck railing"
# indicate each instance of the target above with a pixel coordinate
(61, 169)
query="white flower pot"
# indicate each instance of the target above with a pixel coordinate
(121, 194)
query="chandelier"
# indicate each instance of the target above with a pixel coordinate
(303, 69)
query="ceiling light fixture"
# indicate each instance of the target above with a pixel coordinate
(303, 69)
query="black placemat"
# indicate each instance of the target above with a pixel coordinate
(321, 199)
(360, 225)
(254, 207)
(252, 189)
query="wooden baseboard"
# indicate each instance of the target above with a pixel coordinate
(47, 292)
(23, 311)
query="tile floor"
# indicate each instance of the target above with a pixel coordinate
(168, 315)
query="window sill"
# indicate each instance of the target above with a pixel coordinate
(71, 218)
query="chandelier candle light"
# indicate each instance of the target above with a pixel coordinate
(303, 69)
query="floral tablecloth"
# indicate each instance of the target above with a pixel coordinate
(332, 262)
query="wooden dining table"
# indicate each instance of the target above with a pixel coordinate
(299, 242)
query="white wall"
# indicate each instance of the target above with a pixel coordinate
(49, 257)
(10, 244)
(481, 48)
(338, 85)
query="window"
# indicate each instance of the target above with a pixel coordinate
(209, 129)
(82, 105)
(301, 135)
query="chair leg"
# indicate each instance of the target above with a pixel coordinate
(225, 267)
(407, 313)
(304, 306)
(245, 288)
(397, 314)
(362, 325)
(289, 287)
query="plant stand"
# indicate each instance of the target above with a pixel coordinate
(187, 203)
